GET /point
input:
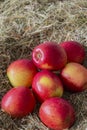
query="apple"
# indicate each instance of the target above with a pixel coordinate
(21, 72)
(46, 84)
(57, 113)
(18, 102)
(74, 77)
(75, 51)
(49, 55)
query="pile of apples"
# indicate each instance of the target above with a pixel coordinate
(54, 68)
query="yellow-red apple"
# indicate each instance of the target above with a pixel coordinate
(74, 77)
(46, 84)
(75, 51)
(18, 102)
(57, 113)
(21, 72)
(49, 55)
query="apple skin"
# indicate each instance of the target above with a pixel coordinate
(75, 51)
(21, 72)
(18, 102)
(57, 113)
(49, 55)
(74, 77)
(46, 84)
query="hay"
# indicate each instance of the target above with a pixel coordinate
(26, 23)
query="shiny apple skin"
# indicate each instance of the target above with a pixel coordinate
(49, 55)
(57, 113)
(75, 51)
(46, 84)
(74, 77)
(18, 102)
(21, 72)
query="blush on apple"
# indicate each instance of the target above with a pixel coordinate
(75, 51)
(74, 77)
(46, 84)
(49, 55)
(57, 113)
(21, 72)
(18, 102)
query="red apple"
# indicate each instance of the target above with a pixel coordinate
(74, 77)
(75, 51)
(46, 84)
(21, 72)
(49, 55)
(18, 102)
(57, 113)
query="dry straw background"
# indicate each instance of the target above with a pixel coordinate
(26, 23)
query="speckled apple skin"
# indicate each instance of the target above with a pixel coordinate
(74, 77)
(46, 84)
(75, 51)
(21, 72)
(18, 102)
(57, 113)
(49, 55)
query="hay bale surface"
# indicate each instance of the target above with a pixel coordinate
(26, 23)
